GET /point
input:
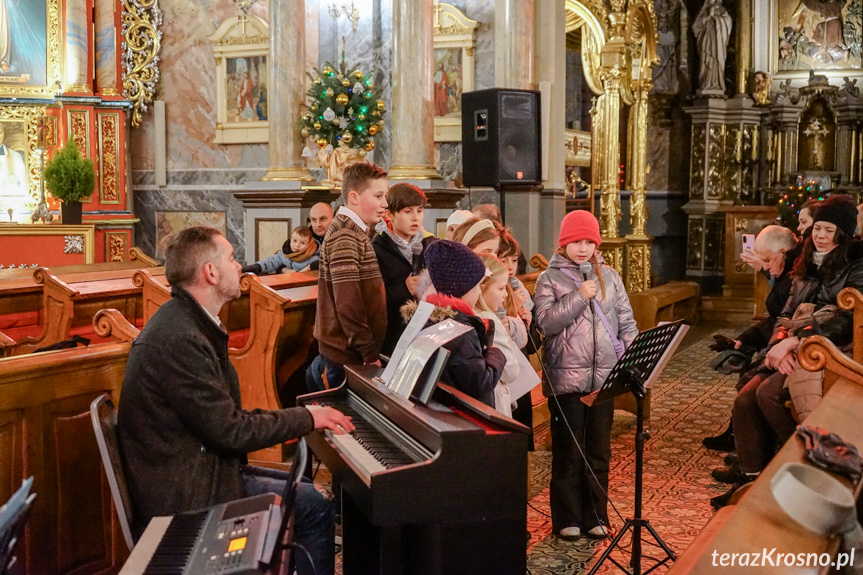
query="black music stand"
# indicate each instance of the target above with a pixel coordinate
(634, 373)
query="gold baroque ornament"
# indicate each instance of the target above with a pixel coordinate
(142, 39)
(108, 169)
(30, 116)
(116, 247)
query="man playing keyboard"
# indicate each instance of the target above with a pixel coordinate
(183, 433)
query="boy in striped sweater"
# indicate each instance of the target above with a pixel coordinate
(351, 317)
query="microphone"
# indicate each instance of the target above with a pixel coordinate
(586, 270)
(513, 283)
(416, 259)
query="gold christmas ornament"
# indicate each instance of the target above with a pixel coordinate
(361, 117)
(346, 83)
(330, 92)
(362, 153)
(335, 122)
(342, 99)
(370, 146)
(304, 132)
(317, 81)
(371, 85)
(358, 75)
(373, 129)
(322, 142)
(327, 70)
(381, 124)
(317, 125)
(381, 104)
(347, 137)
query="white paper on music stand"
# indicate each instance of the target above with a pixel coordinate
(421, 316)
(418, 353)
(527, 378)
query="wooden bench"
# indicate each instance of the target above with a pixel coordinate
(46, 432)
(668, 302)
(755, 521)
(271, 332)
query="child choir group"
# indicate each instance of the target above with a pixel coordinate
(584, 322)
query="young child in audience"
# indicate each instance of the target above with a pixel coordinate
(475, 364)
(297, 255)
(509, 252)
(481, 236)
(400, 255)
(493, 292)
(573, 313)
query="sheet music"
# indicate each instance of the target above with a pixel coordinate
(420, 318)
(418, 353)
(527, 378)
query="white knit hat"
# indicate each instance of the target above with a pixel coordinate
(458, 217)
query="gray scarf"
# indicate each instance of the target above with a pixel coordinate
(405, 248)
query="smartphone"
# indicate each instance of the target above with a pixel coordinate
(749, 242)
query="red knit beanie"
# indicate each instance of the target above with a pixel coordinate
(579, 225)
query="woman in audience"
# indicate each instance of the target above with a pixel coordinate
(580, 350)
(804, 217)
(830, 261)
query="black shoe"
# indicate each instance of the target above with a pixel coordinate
(722, 442)
(730, 459)
(722, 500)
(730, 474)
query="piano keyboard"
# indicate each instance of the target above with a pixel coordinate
(374, 445)
(176, 548)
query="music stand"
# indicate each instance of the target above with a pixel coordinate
(635, 373)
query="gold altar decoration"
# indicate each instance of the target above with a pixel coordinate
(19, 87)
(140, 58)
(28, 118)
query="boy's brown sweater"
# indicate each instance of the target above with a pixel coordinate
(351, 317)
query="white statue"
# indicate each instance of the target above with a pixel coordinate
(712, 29)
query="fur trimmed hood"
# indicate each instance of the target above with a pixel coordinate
(445, 307)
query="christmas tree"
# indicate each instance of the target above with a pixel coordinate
(791, 202)
(343, 107)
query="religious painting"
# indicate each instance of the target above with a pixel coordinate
(246, 89)
(14, 189)
(240, 48)
(453, 74)
(818, 35)
(168, 224)
(447, 81)
(29, 47)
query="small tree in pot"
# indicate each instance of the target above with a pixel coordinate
(70, 178)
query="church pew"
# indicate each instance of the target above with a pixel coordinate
(755, 521)
(68, 305)
(271, 331)
(46, 432)
(851, 299)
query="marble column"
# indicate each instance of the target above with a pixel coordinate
(286, 69)
(513, 43)
(108, 25)
(413, 91)
(78, 28)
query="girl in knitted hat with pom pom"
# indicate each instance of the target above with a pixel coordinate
(581, 307)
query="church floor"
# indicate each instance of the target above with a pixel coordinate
(691, 401)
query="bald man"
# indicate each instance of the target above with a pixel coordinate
(320, 218)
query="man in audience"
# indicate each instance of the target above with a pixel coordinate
(776, 248)
(182, 431)
(351, 320)
(320, 218)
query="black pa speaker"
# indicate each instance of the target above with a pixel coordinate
(500, 135)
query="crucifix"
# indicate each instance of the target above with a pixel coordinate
(816, 131)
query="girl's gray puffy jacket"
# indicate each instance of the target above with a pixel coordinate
(564, 318)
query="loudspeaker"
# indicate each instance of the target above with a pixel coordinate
(500, 135)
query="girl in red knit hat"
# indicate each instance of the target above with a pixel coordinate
(582, 309)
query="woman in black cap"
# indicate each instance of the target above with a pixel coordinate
(830, 261)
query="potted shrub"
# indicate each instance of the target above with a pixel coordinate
(70, 178)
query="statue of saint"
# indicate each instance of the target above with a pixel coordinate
(712, 28)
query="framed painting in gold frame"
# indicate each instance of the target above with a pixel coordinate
(453, 69)
(241, 48)
(19, 165)
(30, 48)
(826, 36)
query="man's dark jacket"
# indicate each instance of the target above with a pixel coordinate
(395, 269)
(183, 435)
(758, 335)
